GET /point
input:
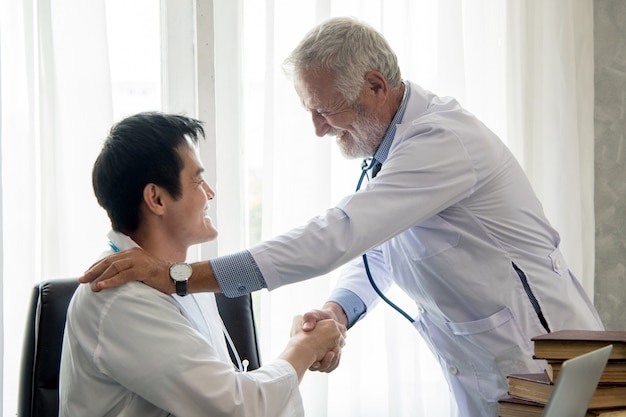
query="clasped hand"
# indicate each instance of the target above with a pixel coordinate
(317, 322)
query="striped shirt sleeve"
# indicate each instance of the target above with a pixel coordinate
(237, 274)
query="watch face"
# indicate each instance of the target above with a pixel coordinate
(180, 271)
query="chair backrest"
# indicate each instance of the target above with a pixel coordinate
(43, 338)
(238, 317)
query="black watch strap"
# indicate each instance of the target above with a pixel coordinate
(181, 288)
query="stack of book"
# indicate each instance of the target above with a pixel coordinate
(528, 393)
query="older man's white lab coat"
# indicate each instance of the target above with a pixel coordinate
(452, 219)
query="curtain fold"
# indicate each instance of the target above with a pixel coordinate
(56, 109)
(550, 98)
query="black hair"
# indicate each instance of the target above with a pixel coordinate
(139, 150)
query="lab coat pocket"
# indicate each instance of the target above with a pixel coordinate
(496, 348)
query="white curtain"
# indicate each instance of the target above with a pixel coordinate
(524, 67)
(56, 108)
(550, 99)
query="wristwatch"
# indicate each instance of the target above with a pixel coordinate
(180, 273)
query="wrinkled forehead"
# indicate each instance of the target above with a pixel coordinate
(316, 88)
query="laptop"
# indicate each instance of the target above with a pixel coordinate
(576, 384)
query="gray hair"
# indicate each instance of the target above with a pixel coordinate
(349, 49)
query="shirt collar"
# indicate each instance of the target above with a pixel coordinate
(383, 149)
(119, 241)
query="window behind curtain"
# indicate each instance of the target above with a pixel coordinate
(135, 55)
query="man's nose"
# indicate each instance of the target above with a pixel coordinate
(321, 125)
(210, 193)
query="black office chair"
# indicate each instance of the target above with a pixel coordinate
(43, 337)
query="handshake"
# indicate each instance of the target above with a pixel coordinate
(316, 340)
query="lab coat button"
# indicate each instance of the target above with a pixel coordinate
(421, 309)
(453, 369)
(558, 264)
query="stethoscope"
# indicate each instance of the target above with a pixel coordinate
(365, 167)
(242, 365)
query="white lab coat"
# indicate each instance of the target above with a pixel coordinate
(445, 218)
(133, 351)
